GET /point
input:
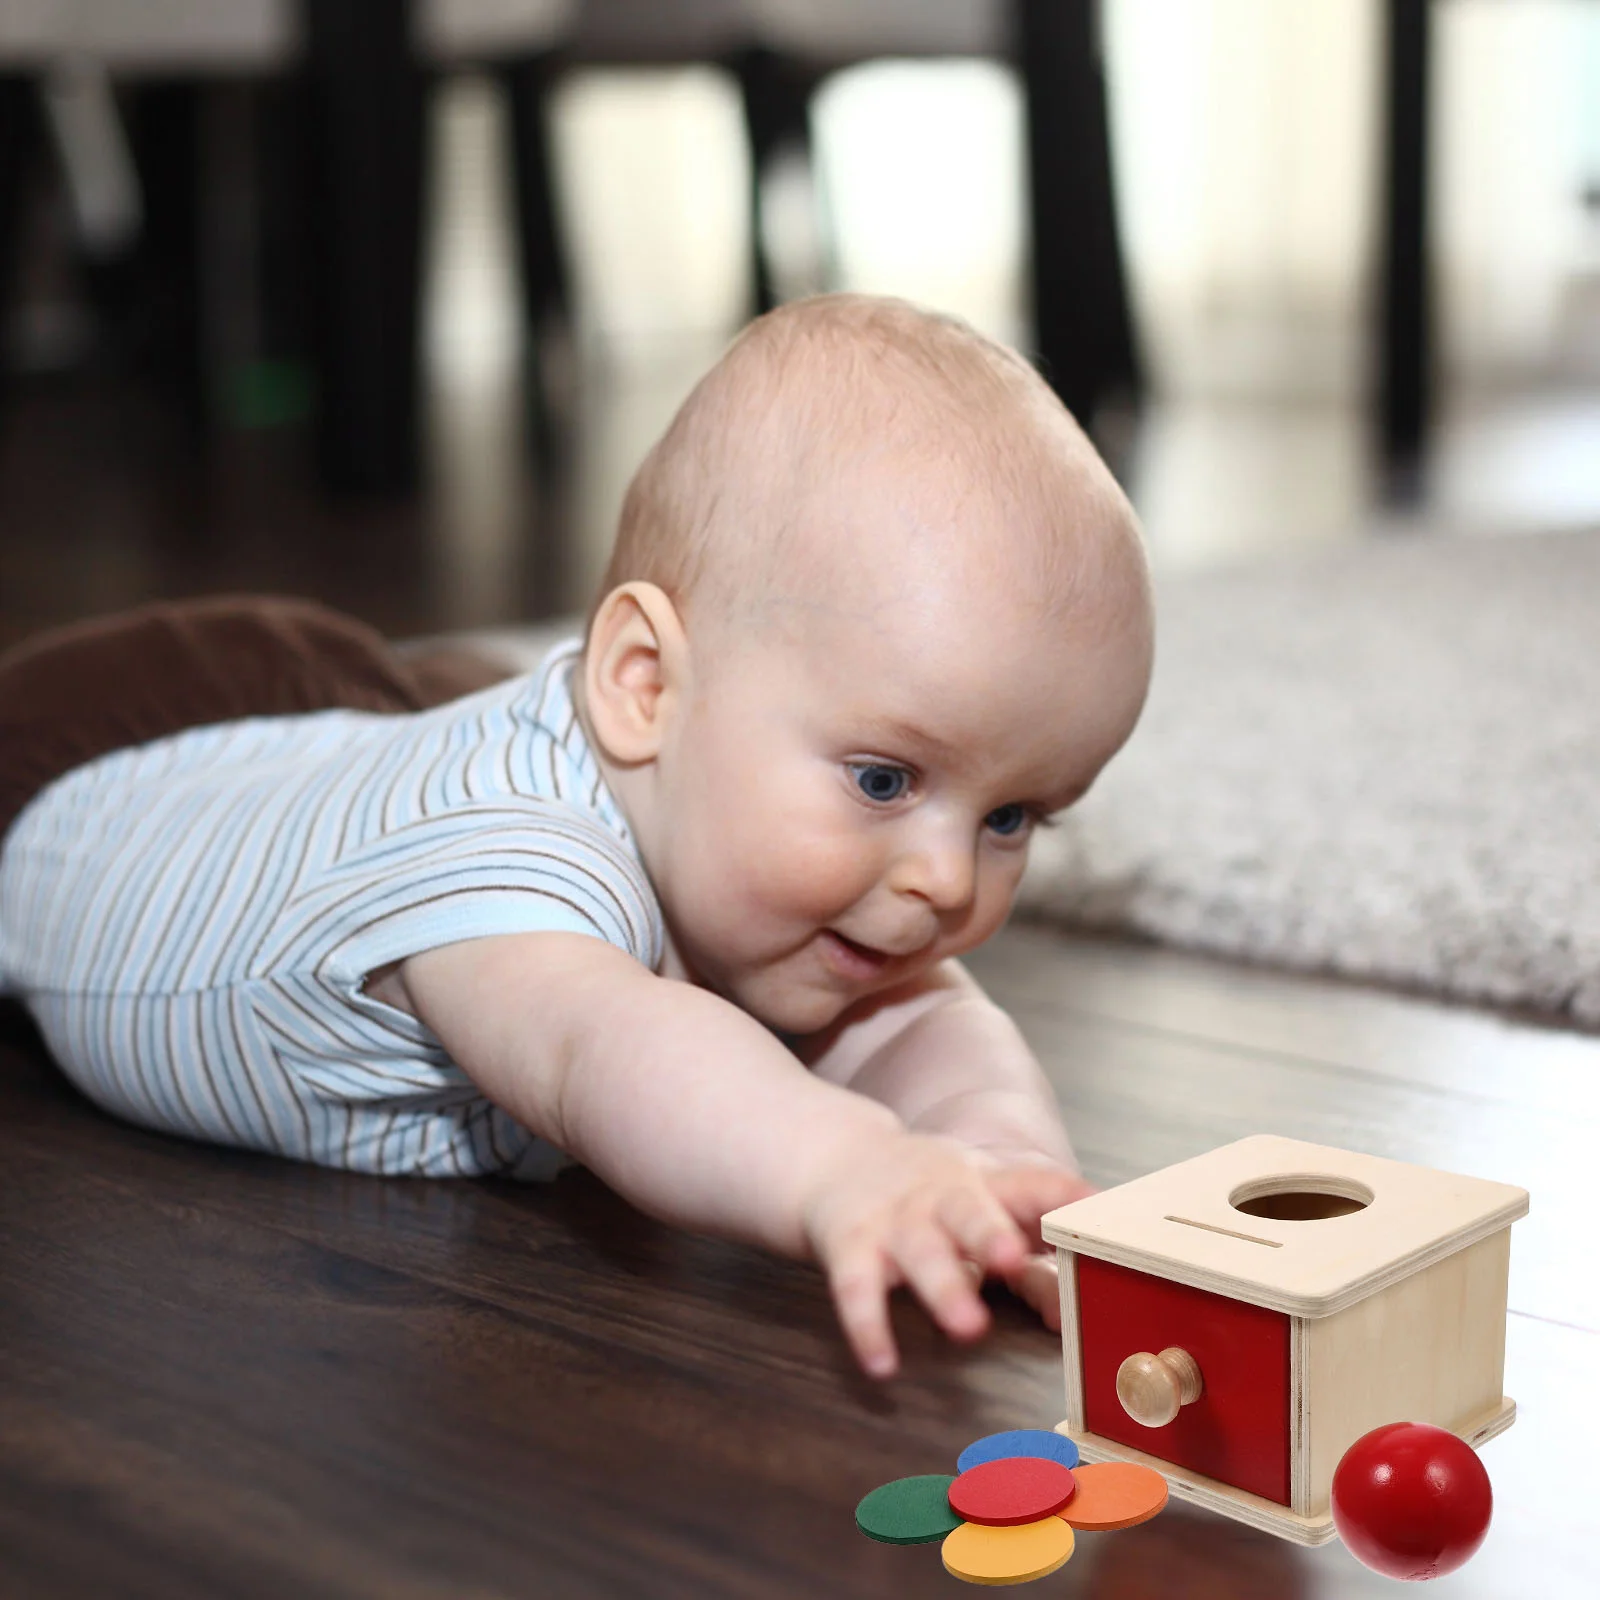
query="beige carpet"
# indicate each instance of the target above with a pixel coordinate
(1383, 763)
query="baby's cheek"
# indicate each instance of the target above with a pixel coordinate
(809, 872)
(815, 883)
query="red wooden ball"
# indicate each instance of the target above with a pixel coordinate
(1411, 1500)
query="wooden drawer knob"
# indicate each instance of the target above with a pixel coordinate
(1152, 1389)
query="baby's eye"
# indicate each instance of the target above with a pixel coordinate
(879, 782)
(1008, 820)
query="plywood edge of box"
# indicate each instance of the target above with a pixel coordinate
(1197, 1276)
(1478, 1431)
(1071, 1346)
(1300, 1486)
(1267, 1515)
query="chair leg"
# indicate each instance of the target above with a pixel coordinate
(163, 275)
(366, 151)
(540, 236)
(1404, 345)
(19, 148)
(541, 248)
(284, 231)
(777, 102)
(1083, 327)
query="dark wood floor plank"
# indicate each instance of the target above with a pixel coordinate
(104, 504)
(1347, 1024)
(532, 1363)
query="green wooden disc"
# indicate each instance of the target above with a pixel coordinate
(909, 1510)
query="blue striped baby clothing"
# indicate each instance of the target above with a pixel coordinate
(191, 921)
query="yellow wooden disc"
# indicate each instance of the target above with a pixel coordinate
(1017, 1554)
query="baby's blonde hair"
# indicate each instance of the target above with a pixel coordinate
(815, 385)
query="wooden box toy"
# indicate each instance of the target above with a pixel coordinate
(1237, 1321)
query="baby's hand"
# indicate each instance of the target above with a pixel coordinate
(916, 1209)
(1037, 1281)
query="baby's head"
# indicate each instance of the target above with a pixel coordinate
(876, 609)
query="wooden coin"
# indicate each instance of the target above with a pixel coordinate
(909, 1510)
(1114, 1494)
(1043, 1442)
(1012, 1490)
(979, 1554)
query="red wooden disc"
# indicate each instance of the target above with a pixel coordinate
(1012, 1490)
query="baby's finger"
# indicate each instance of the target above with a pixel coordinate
(940, 1278)
(860, 1282)
(982, 1228)
(1028, 1193)
(1038, 1283)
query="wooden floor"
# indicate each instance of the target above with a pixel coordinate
(225, 1375)
(107, 500)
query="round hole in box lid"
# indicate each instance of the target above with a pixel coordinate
(1300, 1197)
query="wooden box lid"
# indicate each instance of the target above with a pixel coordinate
(1179, 1223)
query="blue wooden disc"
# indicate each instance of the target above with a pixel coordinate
(1019, 1442)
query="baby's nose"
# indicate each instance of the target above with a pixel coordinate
(941, 870)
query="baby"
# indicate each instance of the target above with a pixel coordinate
(684, 904)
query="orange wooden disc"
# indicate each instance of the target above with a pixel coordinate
(1114, 1494)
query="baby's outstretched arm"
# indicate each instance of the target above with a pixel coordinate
(693, 1111)
(951, 1063)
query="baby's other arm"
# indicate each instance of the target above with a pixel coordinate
(946, 1060)
(696, 1113)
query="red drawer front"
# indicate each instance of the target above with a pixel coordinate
(1238, 1430)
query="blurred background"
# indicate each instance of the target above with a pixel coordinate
(382, 303)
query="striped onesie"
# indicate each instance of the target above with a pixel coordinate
(191, 921)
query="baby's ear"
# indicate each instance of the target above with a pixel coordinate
(635, 671)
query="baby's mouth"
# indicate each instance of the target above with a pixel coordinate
(852, 959)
